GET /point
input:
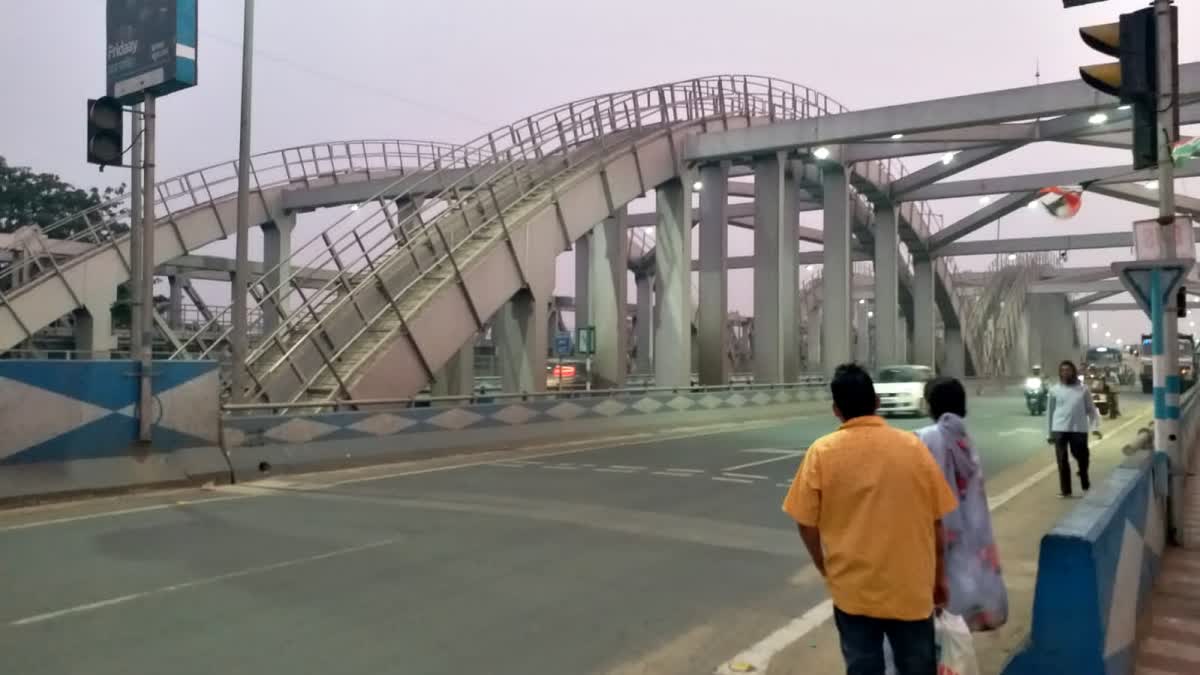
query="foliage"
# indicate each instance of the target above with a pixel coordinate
(43, 199)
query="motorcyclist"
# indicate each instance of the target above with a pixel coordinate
(1112, 387)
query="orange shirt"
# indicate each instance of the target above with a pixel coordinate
(874, 493)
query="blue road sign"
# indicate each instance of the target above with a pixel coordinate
(562, 344)
(1137, 279)
(151, 47)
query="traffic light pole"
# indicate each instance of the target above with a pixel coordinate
(146, 326)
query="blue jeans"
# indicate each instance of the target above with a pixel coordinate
(862, 644)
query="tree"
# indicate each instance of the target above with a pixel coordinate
(43, 199)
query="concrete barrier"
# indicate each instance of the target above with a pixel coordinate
(256, 443)
(71, 426)
(1095, 570)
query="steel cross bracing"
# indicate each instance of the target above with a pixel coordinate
(393, 264)
(192, 210)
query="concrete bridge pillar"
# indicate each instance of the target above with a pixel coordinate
(643, 321)
(583, 280)
(608, 249)
(458, 375)
(277, 249)
(521, 342)
(923, 339)
(835, 304)
(713, 332)
(93, 324)
(955, 364)
(887, 282)
(812, 343)
(673, 284)
(775, 272)
(862, 333)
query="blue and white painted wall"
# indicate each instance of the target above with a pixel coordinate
(72, 425)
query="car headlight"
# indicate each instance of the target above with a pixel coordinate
(1033, 383)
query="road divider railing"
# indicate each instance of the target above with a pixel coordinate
(257, 439)
(1097, 566)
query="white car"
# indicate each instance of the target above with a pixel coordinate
(901, 389)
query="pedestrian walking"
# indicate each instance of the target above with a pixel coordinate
(869, 500)
(1071, 414)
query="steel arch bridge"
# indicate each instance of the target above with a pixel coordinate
(443, 236)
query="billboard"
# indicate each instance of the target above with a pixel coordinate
(151, 47)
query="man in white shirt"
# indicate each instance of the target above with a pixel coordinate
(1071, 413)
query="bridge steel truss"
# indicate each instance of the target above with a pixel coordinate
(460, 235)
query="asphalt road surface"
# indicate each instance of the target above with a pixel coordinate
(664, 557)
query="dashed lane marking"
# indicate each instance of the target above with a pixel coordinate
(732, 480)
(672, 474)
(750, 476)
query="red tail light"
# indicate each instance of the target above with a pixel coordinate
(563, 372)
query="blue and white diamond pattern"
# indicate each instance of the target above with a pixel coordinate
(383, 424)
(609, 407)
(647, 405)
(44, 415)
(455, 419)
(566, 411)
(514, 414)
(710, 402)
(681, 403)
(299, 430)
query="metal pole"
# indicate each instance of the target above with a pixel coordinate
(241, 271)
(135, 237)
(146, 327)
(1166, 328)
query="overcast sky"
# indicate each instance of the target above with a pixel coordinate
(452, 70)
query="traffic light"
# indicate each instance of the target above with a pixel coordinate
(105, 131)
(1134, 78)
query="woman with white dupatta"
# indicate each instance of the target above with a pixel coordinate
(976, 585)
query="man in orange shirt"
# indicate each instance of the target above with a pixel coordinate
(868, 500)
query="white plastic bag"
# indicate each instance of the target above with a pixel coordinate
(956, 649)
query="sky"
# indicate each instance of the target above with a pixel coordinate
(455, 69)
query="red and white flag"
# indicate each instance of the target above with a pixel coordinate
(1061, 202)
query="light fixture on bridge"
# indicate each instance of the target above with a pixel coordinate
(1124, 107)
(821, 153)
(862, 301)
(1098, 118)
(354, 207)
(809, 268)
(1191, 324)
(870, 315)
(896, 137)
(949, 157)
(698, 186)
(1095, 326)
(1108, 333)
(1012, 257)
(985, 200)
(1032, 205)
(1120, 342)
(1076, 314)
(1150, 185)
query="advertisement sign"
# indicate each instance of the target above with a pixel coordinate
(151, 48)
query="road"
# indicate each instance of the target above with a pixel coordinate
(660, 557)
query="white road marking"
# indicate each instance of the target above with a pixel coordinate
(751, 476)
(732, 480)
(672, 474)
(121, 512)
(758, 657)
(626, 466)
(122, 599)
(604, 470)
(1018, 430)
(684, 470)
(510, 465)
(786, 485)
(561, 467)
(782, 455)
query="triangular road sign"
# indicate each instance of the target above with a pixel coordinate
(1138, 279)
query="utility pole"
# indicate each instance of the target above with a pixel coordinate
(240, 342)
(146, 327)
(135, 236)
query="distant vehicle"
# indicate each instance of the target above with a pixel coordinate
(566, 374)
(1186, 363)
(1109, 358)
(901, 389)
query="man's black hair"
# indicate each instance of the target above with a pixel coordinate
(853, 391)
(1074, 370)
(945, 395)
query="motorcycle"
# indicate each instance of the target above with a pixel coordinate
(1036, 394)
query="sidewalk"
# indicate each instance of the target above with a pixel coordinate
(1170, 633)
